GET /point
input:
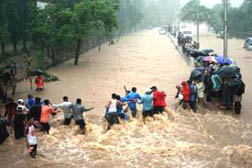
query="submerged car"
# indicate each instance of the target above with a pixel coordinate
(248, 43)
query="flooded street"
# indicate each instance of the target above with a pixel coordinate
(204, 140)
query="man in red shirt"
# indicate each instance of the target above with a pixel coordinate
(159, 103)
(186, 94)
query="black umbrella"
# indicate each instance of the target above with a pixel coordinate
(228, 72)
(208, 50)
(196, 75)
(196, 54)
(37, 72)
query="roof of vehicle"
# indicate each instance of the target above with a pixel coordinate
(187, 32)
(249, 38)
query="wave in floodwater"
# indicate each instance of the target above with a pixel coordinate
(184, 140)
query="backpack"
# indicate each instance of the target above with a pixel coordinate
(241, 89)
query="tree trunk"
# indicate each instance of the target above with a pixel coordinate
(53, 57)
(42, 47)
(48, 53)
(77, 52)
(24, 45)
(3, 48)
(15, 46)
(99, 43)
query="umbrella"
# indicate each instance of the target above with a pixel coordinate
(223, 60)
(197, 53)
(228, 71)
(196, 74)
(37, 72)
(209, 59)
(208, 50)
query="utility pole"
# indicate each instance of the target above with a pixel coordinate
(225, 42)
(178, 15)
(198, 20)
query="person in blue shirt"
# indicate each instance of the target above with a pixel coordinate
(193, 96)
(120, 111)
(132, 97)
(30, 101)
(146, 101)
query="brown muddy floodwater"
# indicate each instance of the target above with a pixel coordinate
(204, 140)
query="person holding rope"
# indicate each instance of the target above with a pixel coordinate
(78, 111)
(111, 111)
(146, 101)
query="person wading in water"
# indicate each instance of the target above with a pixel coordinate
(78, 111)
(66, 107)
(111, 112)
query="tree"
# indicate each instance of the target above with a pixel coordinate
(3, 25)
(92, 14)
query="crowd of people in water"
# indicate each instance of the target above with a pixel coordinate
(24, 117)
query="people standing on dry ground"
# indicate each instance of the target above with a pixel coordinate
(66, 106)
(159, 103)
(31, 139)
(132, 98)
(78, 109)
(46, 111)
(111, 111)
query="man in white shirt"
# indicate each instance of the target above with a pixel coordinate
(66, 107)
(31, 138)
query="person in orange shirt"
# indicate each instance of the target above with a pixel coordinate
(40, 83)
(46, 111)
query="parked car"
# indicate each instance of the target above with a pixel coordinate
(187, 34)
(162, 32)
(248, 43)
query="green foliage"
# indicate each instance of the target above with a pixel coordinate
(49, 77)
(130, 14)
(195, 13)
(40, 60)
(4, 35)
(239, 19)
